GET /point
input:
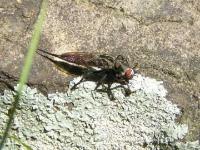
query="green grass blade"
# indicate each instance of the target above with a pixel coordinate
(27, 67)
(14, 138)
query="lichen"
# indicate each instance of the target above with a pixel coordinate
(88, 119)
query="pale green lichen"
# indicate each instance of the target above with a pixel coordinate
(87, 119)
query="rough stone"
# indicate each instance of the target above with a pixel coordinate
(143, 120)
(161, 35)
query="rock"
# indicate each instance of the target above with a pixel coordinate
(145, 118)
(161, 35)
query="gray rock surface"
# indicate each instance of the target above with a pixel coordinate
(144, 120)
(161, 35)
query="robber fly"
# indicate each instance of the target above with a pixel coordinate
(101, 68)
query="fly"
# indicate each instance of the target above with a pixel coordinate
(102, 68)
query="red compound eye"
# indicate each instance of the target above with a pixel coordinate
(129, 73)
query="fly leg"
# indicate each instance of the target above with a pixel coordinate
(109, 58)
(126, 90)
(109, 92)
(79, 82)
(85, 77)
(122, 59)
(100, 82)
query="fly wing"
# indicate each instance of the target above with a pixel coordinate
(64, 66)
(75, 58)
(84, 59)
(88, 59)
(78, 58)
